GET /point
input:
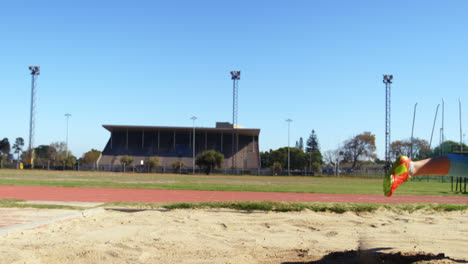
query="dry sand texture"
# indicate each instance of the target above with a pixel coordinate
(202, 236)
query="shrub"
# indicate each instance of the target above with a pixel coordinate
(153, 163)
(277, 168)
(178, 165)
(126, 161)
(207, 160)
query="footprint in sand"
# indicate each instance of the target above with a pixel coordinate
(331, 234)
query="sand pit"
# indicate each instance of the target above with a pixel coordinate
(202, 236)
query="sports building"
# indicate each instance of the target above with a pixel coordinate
(170, 144)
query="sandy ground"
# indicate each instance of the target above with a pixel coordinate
(203, 236)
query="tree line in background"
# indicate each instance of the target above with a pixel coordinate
(45, 156)
(353, 152)
(308, 159)
(56, 155)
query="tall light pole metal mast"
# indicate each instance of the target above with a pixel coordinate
(289, 120)
(442, 130)
(235, 76)
(412, 130)
(387, 80)
(193, 145)
(433, 126)
(35, 71)
(66, 150)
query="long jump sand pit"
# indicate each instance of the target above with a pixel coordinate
(223, 236)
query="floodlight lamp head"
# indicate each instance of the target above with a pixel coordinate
(387, 78)
(35, 70)
(235, 75)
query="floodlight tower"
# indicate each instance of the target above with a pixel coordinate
(35, 71)
(387, 80)
(235, 76)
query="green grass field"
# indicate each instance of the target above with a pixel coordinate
(217, 182)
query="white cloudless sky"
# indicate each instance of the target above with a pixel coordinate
(157, 63)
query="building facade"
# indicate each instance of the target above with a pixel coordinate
(170, 144)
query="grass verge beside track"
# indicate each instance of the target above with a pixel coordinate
(255, 206)
(295, 206)
(17, 203)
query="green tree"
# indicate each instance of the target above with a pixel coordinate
(4, 150)
(209, 159)
(449, 147)
(301, 144)
(296, 158)
(312, 144)
(314, 161)
(41, 155)
(5, 147)
(69, 161)
(18, 148)
(178, 165)
(91, 157)
(314, 157)
(360, 146)
(265, 158)
(153, 163)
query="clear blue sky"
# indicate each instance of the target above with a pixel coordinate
(157, 63)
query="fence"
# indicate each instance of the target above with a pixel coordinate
(460, 184)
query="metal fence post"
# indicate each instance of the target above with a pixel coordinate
(465, 185)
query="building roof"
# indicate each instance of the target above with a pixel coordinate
(241, 131)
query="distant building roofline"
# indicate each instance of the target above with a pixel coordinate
(239, 129)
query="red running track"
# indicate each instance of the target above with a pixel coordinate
(34, 193)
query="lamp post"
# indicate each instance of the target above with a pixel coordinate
(442, 130)
(66, 149)
(193, 145)
(289, 120)
(433, 126)
(461, 142)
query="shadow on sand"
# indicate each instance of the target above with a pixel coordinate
(371, 256)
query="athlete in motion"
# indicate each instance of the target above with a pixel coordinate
(404, 168)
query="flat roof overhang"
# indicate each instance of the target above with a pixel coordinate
(241, 131)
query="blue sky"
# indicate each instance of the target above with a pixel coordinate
(158, 63)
